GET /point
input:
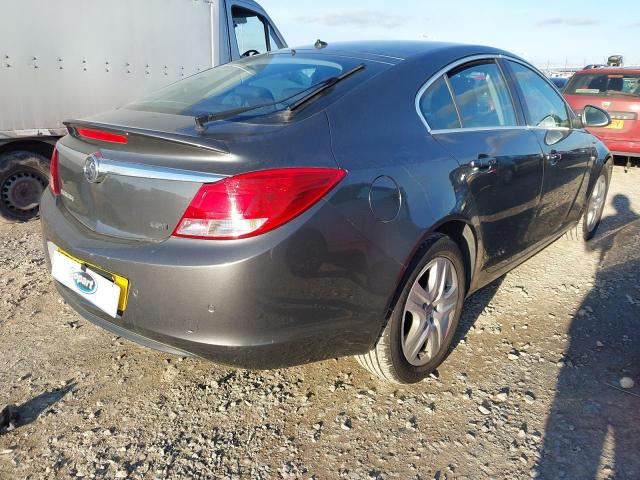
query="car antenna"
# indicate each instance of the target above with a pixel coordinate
(320, 44)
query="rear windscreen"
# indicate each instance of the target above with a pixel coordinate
(605, 84)
(253, 81)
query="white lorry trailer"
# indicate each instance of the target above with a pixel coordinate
(73, 58)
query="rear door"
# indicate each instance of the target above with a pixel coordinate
(500, 158)
(251, 30)
(567, 151)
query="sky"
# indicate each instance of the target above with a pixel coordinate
(554, 32)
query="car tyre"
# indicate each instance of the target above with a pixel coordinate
(438, 278)
(589, 222)
(23, 177)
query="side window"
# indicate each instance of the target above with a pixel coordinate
(482, 96)
(438, 108)
(251, 31)
(544, 106)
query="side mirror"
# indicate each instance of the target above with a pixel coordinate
(595, 117)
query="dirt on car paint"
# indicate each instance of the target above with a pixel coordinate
(543, 381)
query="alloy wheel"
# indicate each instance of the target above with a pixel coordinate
(428, 311)
(596, 202)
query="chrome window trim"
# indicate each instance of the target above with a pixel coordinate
(139, 170)
(445, 77)
(477, 129)
(472, 58)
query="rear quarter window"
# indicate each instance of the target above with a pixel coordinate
(437, 107)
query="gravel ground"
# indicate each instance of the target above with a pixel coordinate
(531, 389)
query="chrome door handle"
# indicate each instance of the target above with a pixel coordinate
(553, 157)
(484, 163)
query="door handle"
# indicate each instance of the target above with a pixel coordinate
(484, 163)
(553, 157)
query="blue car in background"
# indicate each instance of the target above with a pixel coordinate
(559, 82)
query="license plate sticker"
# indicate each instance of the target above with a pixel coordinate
(90, 285)
(616, 124)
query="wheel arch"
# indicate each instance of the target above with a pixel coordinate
(43, 147)
(463, 234)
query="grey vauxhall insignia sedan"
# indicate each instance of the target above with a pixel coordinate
(319, 202)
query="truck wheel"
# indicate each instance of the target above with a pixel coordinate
(422, 325)
(23, 177)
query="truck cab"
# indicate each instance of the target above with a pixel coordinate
(81, 58)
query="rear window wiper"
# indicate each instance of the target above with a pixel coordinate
(202, 120)
(205, 118)
(324, 85)
(316, 89)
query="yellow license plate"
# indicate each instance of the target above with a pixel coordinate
(121, 282)
(616, 124)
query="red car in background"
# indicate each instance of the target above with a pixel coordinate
(616, 90)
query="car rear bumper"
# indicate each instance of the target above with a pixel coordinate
(622, 147)
(268, 302)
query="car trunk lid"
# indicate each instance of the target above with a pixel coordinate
(135, 190)
(154, 175)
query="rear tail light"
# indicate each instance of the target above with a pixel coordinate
(102, 135)
(54, 177)
(254, 203)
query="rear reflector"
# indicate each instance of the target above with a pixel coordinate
(102, 136)
(254, 203)
(54, 176)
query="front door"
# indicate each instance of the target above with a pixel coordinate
(566, 151)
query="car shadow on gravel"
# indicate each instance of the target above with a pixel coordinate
(473, 307)
(593, 428)
(13, 416)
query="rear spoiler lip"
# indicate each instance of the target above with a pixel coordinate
(214, 145)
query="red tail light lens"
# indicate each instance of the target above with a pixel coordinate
(254, 203)
(102, 136)
(54, 178)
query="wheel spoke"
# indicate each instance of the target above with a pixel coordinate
(415, 341)
(432, 281)
(442, 315)
(433, 341)
(438, 279)
(419, 295)
(418, 314)
(445, 272)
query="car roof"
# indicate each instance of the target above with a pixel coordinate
(614, 70)
(397, 51)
